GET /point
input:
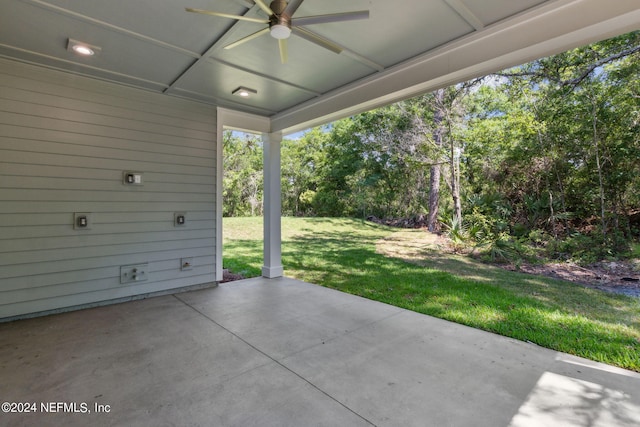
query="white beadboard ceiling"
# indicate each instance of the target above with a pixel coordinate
(405, 48)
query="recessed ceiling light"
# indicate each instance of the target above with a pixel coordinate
(82, 48)
(244, 92)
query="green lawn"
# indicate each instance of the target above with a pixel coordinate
(345, 254)
(635, 250)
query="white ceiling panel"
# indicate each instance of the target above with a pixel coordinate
(218, 80)
(29, 28)
(309, 65)
(384, 37)
(158, 19)
(405, 47)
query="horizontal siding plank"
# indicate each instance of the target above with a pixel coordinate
(98, 228)
(114, 184)
(103, 93)
(10, 310)
(30, 170)
(193, 148)
(40, 206)
(86, 239)
(208, 125)
(37, 255)
(90, 129)
(21, 169)
(76, 113)
(93, 282)
(42, 273)
(171, 265)
(34, 146)
(36, 159)
(66, 219)
(136, 194)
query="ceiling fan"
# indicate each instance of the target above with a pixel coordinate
(282, 24)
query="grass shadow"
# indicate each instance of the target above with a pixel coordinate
(552, 313)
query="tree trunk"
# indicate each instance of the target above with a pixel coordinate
(455, 183)
(563, 202)
(434, 197)
(553, 215)
(600, 179)
(434, 173)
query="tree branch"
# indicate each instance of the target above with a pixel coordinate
(581, 75)
(590, 69)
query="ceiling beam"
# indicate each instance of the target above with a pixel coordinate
(266, 76)
(465, 13)
(115, 28)
(44, 60)
(361, 59)
(208, 99)
(217, 44)
(251, 123)
(246, 3)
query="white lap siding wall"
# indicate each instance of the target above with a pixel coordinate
(65, 142)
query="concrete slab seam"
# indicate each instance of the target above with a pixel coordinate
(276, 361)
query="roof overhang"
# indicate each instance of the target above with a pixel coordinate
(405, 48)
(549, 29)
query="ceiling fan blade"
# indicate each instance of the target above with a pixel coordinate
(334, 17)
(317, 39)
(248, 38)
(226, 15)
(264, 7)
(284, 52)
(292, 7)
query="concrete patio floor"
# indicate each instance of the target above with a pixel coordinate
(286, 353)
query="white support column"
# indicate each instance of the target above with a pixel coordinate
(272, 206)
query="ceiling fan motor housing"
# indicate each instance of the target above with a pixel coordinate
(279, 24)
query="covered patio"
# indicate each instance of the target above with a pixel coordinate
(111, 191)
(281, 352)
(112, 117)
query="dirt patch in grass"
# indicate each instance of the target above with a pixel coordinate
(428, 249)
(229, 276)
(619, 277)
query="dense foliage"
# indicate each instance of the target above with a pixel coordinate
(546, 154)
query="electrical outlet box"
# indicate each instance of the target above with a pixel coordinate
(132, 178)
(81, 221)
(186, 264)
(179, 219)
(133, 273)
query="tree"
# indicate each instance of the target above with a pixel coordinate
(243, 178)
(434, 172)
(582, 103)
(371, 165)
(547, 148)
(301, 163)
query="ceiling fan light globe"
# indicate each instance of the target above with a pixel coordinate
(280, 31)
